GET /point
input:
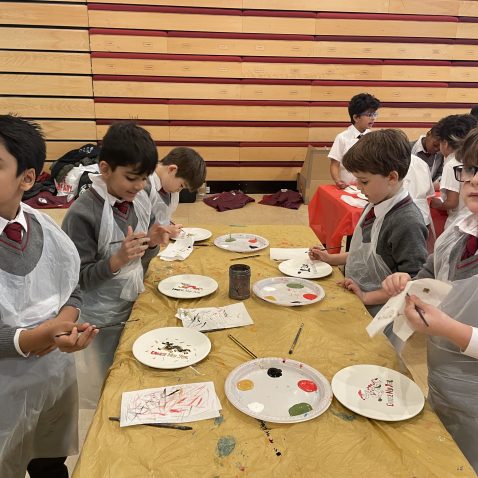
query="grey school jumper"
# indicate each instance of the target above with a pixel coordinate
(82, 224)
(21, 263)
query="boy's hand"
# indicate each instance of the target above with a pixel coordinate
(76, 340)
(395, 283)
(174, 229)
(341, 184)
(352, 286)
(133, 247)
(317, 254)
(158, 235)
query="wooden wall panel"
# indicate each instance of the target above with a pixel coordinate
(33, 13)
(178, 3)
(275, 92)
(48, 107)
(44, 39)
(376, 6)
(210, 153)
(131, 111)
(129, 43)
(424, 7)
(279, 25)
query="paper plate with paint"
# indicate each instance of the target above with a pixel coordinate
(377, 392)
(287, 291)
(171, 347)
(305, 268)
(197, 233)
(240, 242)
(278, 390)
(187, 286)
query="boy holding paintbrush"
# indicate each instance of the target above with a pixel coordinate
(391, 234)
(452, 349)
(113, 229)
(39, 299)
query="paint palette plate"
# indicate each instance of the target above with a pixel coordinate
(288, 292)
(171, 347)
(240, 242)
(197, 233)
(278, 390)
(187, 286)
(377, 392)
(305, 268)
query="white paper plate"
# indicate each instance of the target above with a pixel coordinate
(197, 233)
(305, 268)
(239, 242)
(290, 292)
(171, 347)
(278, 390)
(377, 392)
(187, 286)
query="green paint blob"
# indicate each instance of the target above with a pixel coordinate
(299, 409)
(225, 446)
(295, 285)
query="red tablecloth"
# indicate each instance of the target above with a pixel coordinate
(330, 218)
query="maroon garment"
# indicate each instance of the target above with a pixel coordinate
(47, 200)
(14, 231)
(288, 199)
(471, 247)
(228, 200)
(122, 206)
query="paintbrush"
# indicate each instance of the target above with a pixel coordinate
(245, 257)
(294, 343)
(102, 326)
(158, 425)
(243, 347)
(420, 313)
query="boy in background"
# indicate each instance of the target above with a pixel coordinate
(391, 234)
(427, 148)
(113, 229)
(181, 168)
(363, 112)
(39, 270)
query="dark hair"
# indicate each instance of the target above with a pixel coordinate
(380, 152)
(362, 103)
(467, 153)
(24, 141)
(191, 166)
(454, 128)
(474, 111)
(434, 130)
(127, 144)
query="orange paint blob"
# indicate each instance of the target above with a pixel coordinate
(245, 385)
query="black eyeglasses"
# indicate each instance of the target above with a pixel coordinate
(465, 173)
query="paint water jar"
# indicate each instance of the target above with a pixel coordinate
(239, 281)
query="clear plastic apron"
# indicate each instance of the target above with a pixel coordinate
(38, 395)
(162, 211)
(112, 301)
(364, 265)
(453, 376)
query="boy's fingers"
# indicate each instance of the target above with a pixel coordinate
(130, 231)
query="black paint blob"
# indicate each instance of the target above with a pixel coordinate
(274, 372)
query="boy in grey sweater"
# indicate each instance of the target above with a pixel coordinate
(38, 311)
(391, 234)
(113, 229)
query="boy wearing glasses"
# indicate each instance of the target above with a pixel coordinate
(452, 350)
(363, 111)
(451, 130)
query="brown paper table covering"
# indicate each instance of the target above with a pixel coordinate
(338, 443)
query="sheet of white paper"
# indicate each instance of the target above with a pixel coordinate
(353, 201)
(174, 404)
(351, 189)
(212, 318)
(178, 250)
(286, 253)
(430, 291)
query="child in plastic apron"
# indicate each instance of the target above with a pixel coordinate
(37, 393)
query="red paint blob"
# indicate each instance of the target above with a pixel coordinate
(307, 385)
(252, 241)
(310, 296)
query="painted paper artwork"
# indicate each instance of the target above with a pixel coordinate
(173, 404)
(213, 318)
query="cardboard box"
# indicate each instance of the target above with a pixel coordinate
(307, 188)
(315, 172)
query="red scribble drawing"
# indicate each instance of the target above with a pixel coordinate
(373, 389)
